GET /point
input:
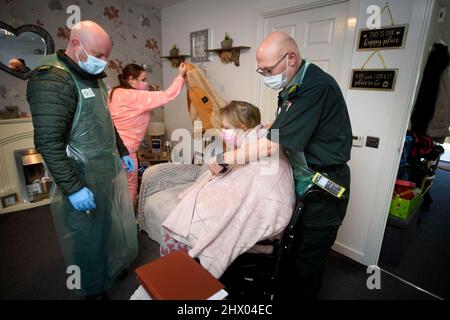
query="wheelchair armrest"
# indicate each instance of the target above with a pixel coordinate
(288, 236)
(314, 190)
(268, 242)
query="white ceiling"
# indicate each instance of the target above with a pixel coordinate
(158, 3)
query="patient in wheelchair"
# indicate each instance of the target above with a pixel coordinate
(220, 217)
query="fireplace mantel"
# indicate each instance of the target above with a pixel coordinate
(18, 120)
(15, 134)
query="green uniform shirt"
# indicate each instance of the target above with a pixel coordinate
(312, 118)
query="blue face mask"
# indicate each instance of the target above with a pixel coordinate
(92, 65)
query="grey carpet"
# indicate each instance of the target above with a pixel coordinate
(427, 257)
(346, 279)
(444, 165)
(32, 266)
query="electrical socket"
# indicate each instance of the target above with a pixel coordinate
(357, 141)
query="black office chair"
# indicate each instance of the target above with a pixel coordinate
(259, 275)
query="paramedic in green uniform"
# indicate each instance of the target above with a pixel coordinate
(73, 130)
(313, 127)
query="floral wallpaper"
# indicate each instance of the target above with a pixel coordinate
(134, 29)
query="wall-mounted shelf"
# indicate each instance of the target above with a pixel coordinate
(228, 55)
(16, 120)
(176, 60)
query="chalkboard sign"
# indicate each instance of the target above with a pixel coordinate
(383, 38)
(373, 79)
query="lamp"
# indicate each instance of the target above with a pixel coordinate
(156, 129)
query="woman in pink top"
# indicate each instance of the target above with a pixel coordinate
(130, 105)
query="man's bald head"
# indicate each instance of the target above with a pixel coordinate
(276, 44)
(90, 36)
(273, 48)
(16, 64)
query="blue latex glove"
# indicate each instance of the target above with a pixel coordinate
(129, 164)
(82, 200)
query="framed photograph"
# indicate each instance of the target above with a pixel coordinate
(9, 200)
(156, 145)
(199, 43)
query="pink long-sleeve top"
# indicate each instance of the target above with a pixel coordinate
(130, 110)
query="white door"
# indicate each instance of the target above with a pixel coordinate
(320, 35)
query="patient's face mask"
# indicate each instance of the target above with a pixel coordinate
(229, 137)
(233, 137)
(278, 81)
(92, 65)
(143, 85)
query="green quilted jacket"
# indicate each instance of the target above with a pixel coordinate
(52, 95)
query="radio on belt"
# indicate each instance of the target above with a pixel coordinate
(328, 185)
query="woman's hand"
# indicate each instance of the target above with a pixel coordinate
(182, 69)
(214, 167)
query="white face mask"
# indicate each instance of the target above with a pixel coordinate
(277, 81)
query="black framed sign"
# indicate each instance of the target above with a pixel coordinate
(373, 79)
(392, 37)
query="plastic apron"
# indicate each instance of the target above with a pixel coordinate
(302, 173)
(104, 242)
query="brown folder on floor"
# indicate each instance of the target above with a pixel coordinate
(177, 276)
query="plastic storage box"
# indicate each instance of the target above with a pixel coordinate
(402, 208)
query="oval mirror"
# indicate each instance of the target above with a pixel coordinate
(22, 48)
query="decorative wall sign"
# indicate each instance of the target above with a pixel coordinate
(392, 37)
(382, 38)
(382, 79)
(374, 79)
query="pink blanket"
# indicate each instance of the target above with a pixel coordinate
(224, 216)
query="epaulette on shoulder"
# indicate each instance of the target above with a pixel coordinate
(49, 70)
(43, 69)
(292, 89)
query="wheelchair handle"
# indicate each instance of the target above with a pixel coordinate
(299, 204)
(309, 192)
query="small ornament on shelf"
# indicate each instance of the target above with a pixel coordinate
(174, 56)
(174, 52)
(227, 42)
